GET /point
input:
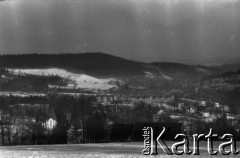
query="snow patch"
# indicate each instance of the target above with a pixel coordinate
(149, 74)
(166, 77)
(202, 70)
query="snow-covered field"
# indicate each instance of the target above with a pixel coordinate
(81, 80)
(25, 154)
(98, 150)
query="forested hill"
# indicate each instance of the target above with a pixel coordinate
(90, 63)
(101, 64)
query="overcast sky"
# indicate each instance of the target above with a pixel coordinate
(190, 31)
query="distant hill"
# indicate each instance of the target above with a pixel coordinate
(89, 63)
(104, 65)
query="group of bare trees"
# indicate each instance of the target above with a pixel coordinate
(6, 128)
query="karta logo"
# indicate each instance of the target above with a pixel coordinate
(225, 148)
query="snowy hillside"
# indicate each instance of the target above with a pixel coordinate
(81, 80)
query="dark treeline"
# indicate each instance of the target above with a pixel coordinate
(27, 82)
